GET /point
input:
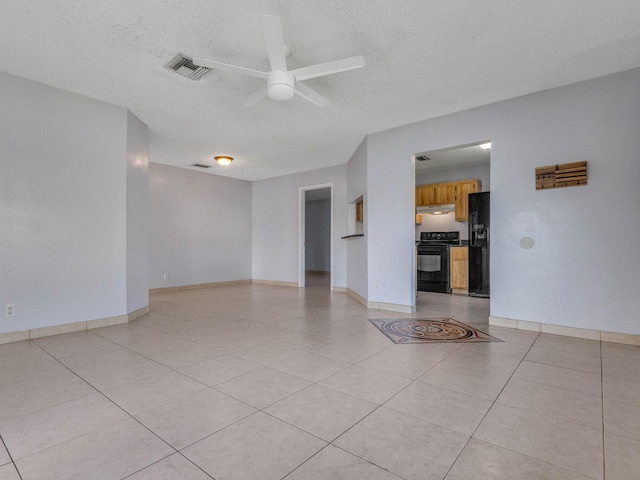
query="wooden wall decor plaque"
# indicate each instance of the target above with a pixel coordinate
(562, 175)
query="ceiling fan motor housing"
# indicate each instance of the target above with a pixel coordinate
(280, 85)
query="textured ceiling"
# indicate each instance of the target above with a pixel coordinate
(448, 158)
(425, 58)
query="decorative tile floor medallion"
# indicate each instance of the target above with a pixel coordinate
(430, 330)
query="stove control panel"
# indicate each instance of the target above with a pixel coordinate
(440, 237)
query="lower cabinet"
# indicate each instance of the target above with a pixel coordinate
(459, 269)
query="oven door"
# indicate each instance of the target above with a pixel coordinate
(433, 268)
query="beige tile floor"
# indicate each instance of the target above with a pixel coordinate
(261, 382)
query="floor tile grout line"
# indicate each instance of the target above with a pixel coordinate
(175, 450)
(117, 406)
(559, 387)
(489, 409)
(560, 366)
(352, 363)
(361, 420)
(13, 462)
(163, 459)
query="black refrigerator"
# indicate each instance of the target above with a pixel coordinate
(479, 235)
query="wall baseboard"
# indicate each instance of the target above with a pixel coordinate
(601, 335)
(182, 288)
(275, 283)
(391, 307)
(70, 327)
(339, 289)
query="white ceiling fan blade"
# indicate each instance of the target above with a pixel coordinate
(203, 62)
(274, 41)
(328, 68)
(308, 94)
(256, 97)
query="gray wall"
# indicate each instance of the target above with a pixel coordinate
(137, 214)
(357, 260)
(584, 269)
(200, 227)
(276, 224)
(318, 235)
(63, 207)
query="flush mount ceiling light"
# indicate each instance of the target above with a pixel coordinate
(485, 146)
(223, 161)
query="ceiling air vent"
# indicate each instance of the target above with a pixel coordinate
(183, 65)
(422, 158)
(201, 165)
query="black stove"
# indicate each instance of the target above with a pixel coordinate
(433, 261)
(439, 238)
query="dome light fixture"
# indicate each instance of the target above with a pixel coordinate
(223, 160)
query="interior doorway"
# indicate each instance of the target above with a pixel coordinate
(444, 178)
(316, 236)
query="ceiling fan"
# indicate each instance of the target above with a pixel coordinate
(282, 84)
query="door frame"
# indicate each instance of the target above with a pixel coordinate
(301, 232)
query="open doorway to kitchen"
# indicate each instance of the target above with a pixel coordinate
(316, 250)
(444, 179)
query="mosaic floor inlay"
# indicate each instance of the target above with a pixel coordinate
(430, 330)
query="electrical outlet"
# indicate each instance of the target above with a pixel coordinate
(165, 276)
(10, 310)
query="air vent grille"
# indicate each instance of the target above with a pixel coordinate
(201, 165)
(182, 65)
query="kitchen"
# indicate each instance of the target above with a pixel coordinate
(452, 230)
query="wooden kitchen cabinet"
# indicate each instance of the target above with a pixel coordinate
(464, 188)
(447, 193)
(459, 269)
(359, 211)
(426, 195)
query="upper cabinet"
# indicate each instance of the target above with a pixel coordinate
(464, 188)
(425, 195)
(447, 193)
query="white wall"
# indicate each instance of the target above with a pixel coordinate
(63, 193)
(357, 258)
(445, 222)
(584, 270)
(137, 214)
(276, 224)
(200, 227)
(318, 235)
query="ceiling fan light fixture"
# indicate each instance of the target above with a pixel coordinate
(280, 86)
(280, 92)
(283, 84)
(223, 160)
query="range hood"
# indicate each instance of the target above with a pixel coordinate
(436, 209)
